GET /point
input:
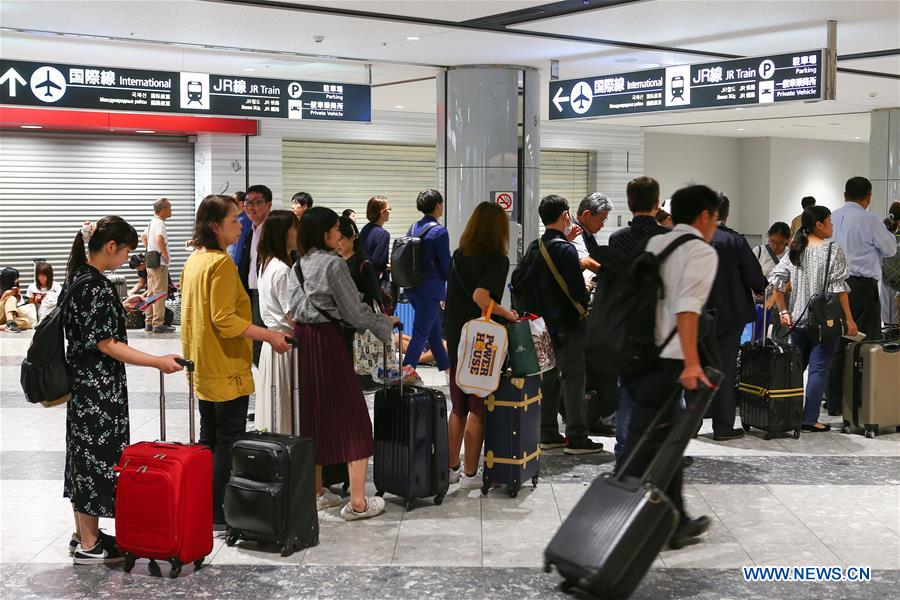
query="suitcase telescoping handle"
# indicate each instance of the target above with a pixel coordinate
(384, 379)
(189, 365)
(275, 398)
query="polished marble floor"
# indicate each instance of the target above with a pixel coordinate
(825, 499)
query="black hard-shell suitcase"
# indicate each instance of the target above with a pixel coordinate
(411, 442)
(512, 433)
(770, 386)
(614, 533)
(271, 496)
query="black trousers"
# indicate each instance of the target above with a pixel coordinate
(724, 404)
(650, 393)
(865, 306)
(220, 424)
(257, 320)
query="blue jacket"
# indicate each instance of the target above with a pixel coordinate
(737, 277)
(239, 251)
(376, 241)
(436, 257)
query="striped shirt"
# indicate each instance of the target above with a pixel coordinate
(807, 280)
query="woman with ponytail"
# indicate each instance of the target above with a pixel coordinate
(811, 265)
(97, 428)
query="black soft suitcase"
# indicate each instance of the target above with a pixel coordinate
(512, 433)
(271, 496)
(614, 533)
(770, 386)
(411, 442)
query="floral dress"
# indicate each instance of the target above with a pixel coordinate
(97, 413)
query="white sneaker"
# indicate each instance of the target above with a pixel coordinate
(471, 483)
(374, 507)
(455, 473)
(327, 500)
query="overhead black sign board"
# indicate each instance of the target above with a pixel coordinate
(725, 83)
(25, 83)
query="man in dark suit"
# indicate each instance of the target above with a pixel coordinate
(737, 277)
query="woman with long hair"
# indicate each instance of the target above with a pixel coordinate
(43, 289)
(805, 272)
(9, 299)
(277, 240)
(216, 331)
(97, 428)
(477, 277)
(332, 406)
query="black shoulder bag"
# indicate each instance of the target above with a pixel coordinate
(826, 315)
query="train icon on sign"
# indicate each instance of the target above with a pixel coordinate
(677, 87)
(195, 92)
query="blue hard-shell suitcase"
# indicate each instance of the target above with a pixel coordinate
(512, 433)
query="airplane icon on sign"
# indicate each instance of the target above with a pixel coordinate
(581, 98)
(47, 85)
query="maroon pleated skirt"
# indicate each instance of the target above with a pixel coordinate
(332, 406)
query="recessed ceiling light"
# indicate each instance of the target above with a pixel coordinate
(145, 131)
(249, 69)
(627, 59)
(413, 38)
(739, 108)
(857, 138)
(398, 106)
(740, 128)
(39, 127)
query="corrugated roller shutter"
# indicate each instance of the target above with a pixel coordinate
(346, 175)
(564, 173)
(51, 183)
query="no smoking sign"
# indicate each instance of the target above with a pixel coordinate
(507, 201)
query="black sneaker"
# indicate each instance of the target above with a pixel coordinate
(688, 531)
(98, 555)
(583, 446)
(108, 541)
(73, 543)
(163, 329)
(552, 442)
(602, 429)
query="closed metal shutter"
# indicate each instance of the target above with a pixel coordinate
(564, 173)
(51, 183)
(345, 175)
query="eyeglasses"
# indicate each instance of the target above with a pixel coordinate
(254, 202)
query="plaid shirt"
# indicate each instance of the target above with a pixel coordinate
(329, 286)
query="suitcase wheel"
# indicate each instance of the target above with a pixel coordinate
(796, 434)
(870, 434)
(439, 499)
(513, 490)
(176, 568)
(769, 435)
(231, 540)
(154, 569)
(547, 567)
(130, 559)
(745, 426)
(408, 504)
(379, 493)
(534, 481)
(198, 563)
(314, 541)
(287, 550)
(485, 488)
(845, 428)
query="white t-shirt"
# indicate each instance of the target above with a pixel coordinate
(157, 227)
(274, 299)
(765, 261)
(688, 274)
(252, 276)
(34, 290)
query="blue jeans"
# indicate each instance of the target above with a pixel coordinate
(623, 418)
(426, 327)
(817, 356)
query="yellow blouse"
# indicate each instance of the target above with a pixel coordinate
(215, 311)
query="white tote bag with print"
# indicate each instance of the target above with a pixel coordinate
(481, 354)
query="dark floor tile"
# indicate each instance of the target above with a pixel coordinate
(352, 583)
(53, 581)
(794, 470)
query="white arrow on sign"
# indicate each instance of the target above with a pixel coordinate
(12, 76)
(559, 98)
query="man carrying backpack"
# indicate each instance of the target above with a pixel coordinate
(687, 275)
(549, 283)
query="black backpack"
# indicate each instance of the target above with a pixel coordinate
(45, 375)
(407, 269)
(525, 282)
(621, 327)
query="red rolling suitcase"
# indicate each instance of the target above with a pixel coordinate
(164, 496)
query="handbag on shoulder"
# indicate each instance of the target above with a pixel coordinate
(826, 315)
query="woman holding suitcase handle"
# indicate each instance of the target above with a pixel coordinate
(812, 265)
(97, 428)
(216, 330)
(333, 410)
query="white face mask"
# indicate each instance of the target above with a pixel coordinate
(569, 226)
